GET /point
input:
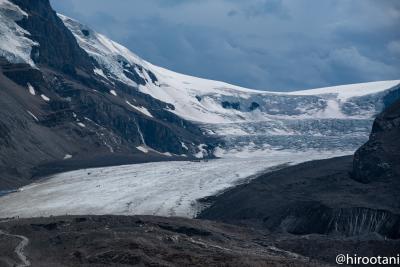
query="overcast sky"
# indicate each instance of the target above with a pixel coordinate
(262, 44)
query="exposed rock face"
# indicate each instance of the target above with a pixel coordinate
(379, 158)
(58, 48)
(62, 110)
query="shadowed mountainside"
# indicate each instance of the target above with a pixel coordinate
(63, 110)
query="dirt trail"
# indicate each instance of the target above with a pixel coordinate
(19, 250)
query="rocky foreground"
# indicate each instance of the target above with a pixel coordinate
(142, 241)
(158, 241)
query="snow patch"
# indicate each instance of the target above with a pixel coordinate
(45, 98)
(184, 146)
(33, 116)
(143, 149)
(67, 156)
(81, 124)
(113, 92)
(202, 151)
(143, 110)
(31, 89)
(100, 73)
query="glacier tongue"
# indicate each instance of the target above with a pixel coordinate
(159, 188)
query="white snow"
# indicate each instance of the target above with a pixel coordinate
(143, 110)
(160, 188)
(143, 149)
(45, 98)
(100, 72)
(113, 92)
(184, 146)
(202, 151)
(15, 44)
(33, 116)
(200, 100)
(81, 124)
(67, 156)
(345, 92)
(103, 50)
(31, 89)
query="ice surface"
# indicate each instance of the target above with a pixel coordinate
(161, 188)
(15, 45)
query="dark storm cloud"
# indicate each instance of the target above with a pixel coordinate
(264, 44)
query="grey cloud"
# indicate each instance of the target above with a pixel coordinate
(264, 44)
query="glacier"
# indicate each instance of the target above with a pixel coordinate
(159, 188)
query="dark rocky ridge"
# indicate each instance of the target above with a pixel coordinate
(65, 75)
(58, 48)
(339, 196)
(379, 158)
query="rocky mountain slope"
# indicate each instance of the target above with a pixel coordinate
(339, 196)
(54, 107)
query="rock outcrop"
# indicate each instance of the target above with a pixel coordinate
(379, 158)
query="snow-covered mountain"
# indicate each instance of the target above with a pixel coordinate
(207, 101)
(339, 116)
